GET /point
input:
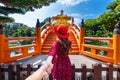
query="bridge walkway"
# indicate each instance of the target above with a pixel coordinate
(75, 59)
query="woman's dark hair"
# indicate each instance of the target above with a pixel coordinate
(66, 44)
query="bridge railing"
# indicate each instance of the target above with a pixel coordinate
(96, 72)
(113, 48)
(99, 52)
(45, 31)
(75, 31)
(10, 54)
(19, 51)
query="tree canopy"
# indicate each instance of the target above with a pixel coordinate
(19, 6)
(17, 30)
(106, 20)
(114, 6)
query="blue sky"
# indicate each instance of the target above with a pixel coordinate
(76, 8)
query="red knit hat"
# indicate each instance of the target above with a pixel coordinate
(61, 31)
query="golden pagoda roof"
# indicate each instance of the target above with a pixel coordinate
(61, 16)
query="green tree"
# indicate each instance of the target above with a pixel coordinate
(30, 32)
(105, 21)
(17, 31)
(114, 6)
(19, 6)
(45, 21)
(93, 28)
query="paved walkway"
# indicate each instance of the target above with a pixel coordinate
(75, 59)
(81, 59)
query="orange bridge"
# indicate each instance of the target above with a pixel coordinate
(45, 36)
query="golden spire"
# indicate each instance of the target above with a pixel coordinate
(61, 12)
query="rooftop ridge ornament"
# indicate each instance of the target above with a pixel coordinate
(61, 12)
(38, 23)
(82, 23)
(61, 18)
(72, 21)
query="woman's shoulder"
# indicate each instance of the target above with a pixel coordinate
(56, 42)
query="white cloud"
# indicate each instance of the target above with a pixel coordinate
(77, 20)
(30, 18)
(89, 15)
(78, 17)
(71, 2)
(47, 11)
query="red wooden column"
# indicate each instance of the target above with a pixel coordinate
(116, 43)
(38, 36)
(2, 39)
(81, 35)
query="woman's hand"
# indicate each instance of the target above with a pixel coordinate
(41, 72)
(49, 69)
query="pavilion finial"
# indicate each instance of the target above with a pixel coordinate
(61, 12)
(82, 23)
(38, 23)
(72, 21)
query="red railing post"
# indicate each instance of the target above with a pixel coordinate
(116, 41)
(38, 36)
(110, 54)
(2, 39)
(81, 35)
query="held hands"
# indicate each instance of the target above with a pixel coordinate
(48, 70)
(41, 72)
(49, 62)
